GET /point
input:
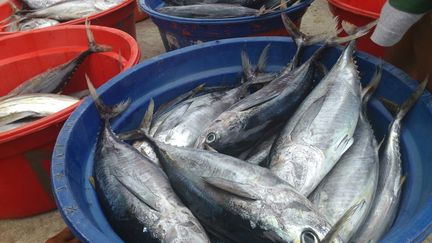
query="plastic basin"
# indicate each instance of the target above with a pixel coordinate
(359, 13)
(6, 8)
(218, 62)
(25, 152)
(119, 17)
(177, 32)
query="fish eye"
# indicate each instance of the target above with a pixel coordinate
(308, 236)
(211, 137)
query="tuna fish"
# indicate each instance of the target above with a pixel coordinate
(385, 204)
(182, 125)
(244, 122)
(32, 106)
(239, 201)
(55, 79)
(209, 11)
(38, 4)
(322, 128)
(30, 24)
(354, 177)
(135, 193)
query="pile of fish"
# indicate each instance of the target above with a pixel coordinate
(282, 157)
(45, 13)
(40, 96)
(221, 9)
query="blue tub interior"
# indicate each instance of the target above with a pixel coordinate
(215, 63)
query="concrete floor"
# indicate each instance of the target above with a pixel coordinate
(317, 19)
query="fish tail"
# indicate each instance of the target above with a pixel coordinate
(353, 32)
(370, 89)
(93, 46)
(262, 61)
(144, 126)
(409, 103)
(106, 112)
(247, 66)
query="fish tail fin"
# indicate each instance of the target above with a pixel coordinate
(391, 106)
(144, 127)
(247, 66)
(120, 61)
(353, 32)
(370, 89)
(93, 46)
(262, 61)
(333, 234)
(409, 103)
(106, 112)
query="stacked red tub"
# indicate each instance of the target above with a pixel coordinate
(25, 152)
(120, 17)
(359, 12)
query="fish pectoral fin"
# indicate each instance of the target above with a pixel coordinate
(308, 116)
(345, 220)
(233, 187)
(257, 102)
(145, 195)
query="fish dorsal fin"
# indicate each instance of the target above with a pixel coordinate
(172, 103)
(333, 234)
(262, 61)
(233, 187)
(145, 195)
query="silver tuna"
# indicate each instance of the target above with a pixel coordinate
(240, 201)
(354, 177)
(321, 130)
(32, 106)
(385, 204)
(135, 193)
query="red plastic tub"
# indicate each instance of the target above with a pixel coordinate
(121, 17)
(6, 9)
(139, 14)
(25, 152)
(359, 12)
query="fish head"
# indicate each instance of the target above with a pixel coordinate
(221, 136)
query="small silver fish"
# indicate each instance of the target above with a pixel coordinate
(387, 197)
(36, 23)
(32, 105)
(38, 4)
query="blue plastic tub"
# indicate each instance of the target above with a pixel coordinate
(177, 32)
(218, 62)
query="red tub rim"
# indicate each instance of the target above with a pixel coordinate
(355, 10)
(55, 118)
(77, 21)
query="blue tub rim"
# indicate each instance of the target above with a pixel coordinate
(303, 4)
(73, 215)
